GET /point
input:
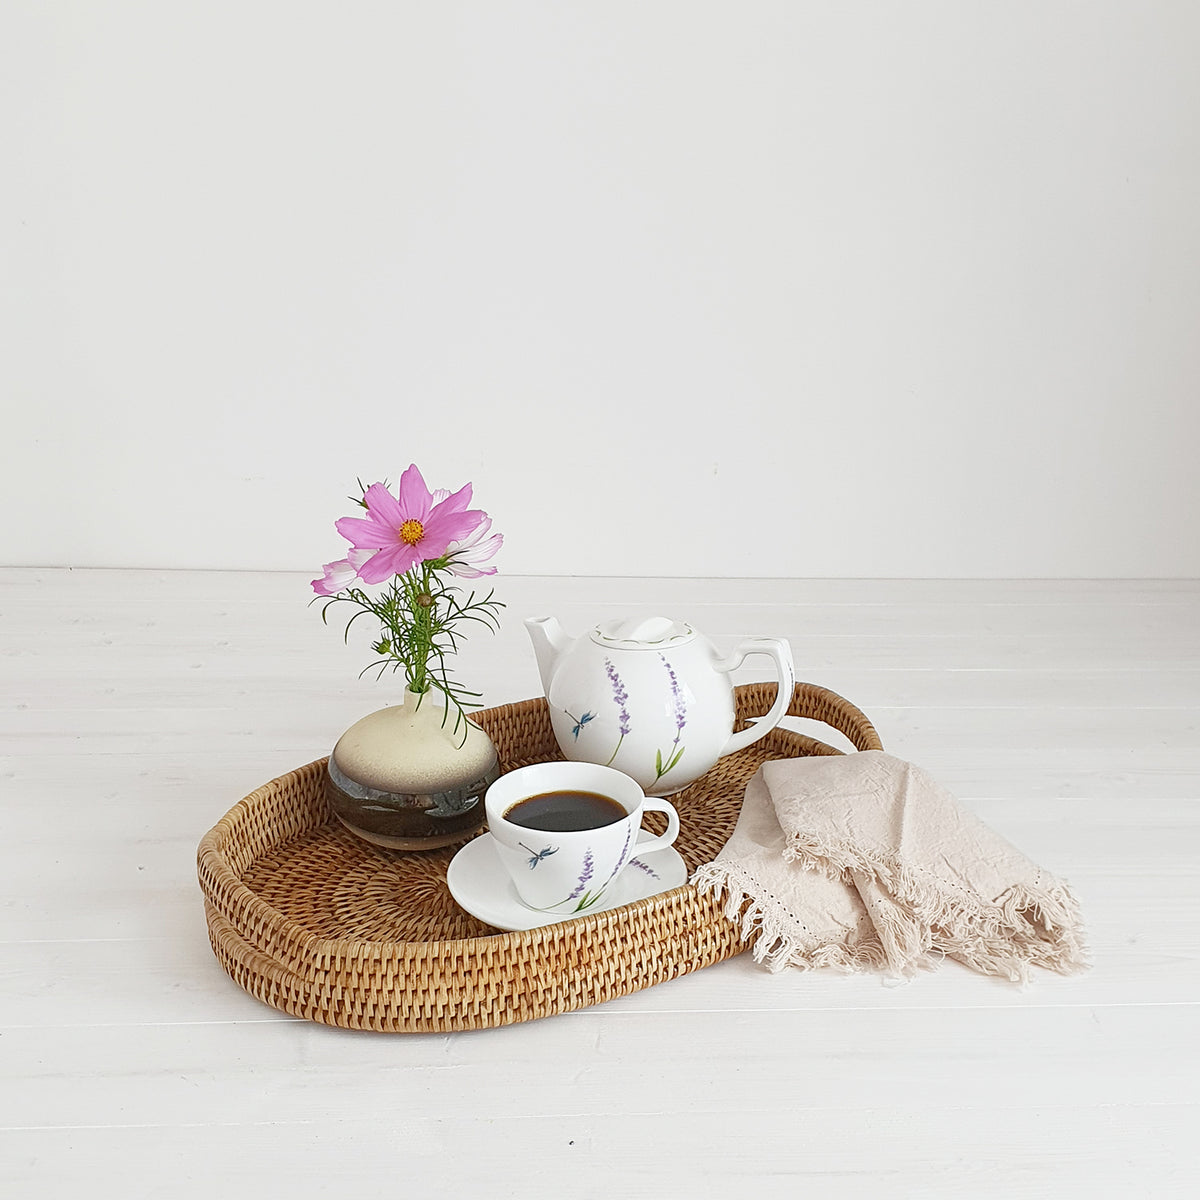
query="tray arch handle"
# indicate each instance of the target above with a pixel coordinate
(812, 702)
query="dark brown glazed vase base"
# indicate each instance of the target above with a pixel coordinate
(409, 821)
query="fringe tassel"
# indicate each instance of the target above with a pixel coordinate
(1025, 926)
(774, 929)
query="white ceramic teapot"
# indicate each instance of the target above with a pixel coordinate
(650, 697)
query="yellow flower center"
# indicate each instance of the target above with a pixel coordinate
(411, 532)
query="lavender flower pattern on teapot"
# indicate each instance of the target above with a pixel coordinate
(652, 698)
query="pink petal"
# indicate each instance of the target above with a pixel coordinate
(476, 536)
(465, 556)
(394, 560)
(338, 575)
(465, 571)
(456, 502)
(487, 549)
(367, 533)
(431, 545)
(382, 506)
(442, 528)
(415, 500)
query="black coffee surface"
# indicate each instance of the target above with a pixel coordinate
(565, 812)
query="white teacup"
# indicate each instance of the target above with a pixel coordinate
(567, 871)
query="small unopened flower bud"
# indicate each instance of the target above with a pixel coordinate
(425, 600)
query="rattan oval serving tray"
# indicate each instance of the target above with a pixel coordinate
(318, 924)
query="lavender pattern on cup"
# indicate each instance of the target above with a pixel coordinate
(621, 858)
(585, 898)
(620, 699)
(641, 866)
(679, 705)
(584, 875)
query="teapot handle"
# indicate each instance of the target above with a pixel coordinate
(781, 652)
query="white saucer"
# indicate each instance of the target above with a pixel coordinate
(479, 882)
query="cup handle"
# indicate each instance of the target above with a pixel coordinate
(781, 652)
(660, 842)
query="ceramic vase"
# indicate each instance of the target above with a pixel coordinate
(404, 777)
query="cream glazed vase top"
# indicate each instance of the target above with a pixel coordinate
(409, 777)
(651, 697)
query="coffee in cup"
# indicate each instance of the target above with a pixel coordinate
(566, 830)
(566, 811)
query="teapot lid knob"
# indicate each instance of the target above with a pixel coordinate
(642, 633)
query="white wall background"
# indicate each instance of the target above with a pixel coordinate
(805, 288)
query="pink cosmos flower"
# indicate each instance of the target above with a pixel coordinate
(463, 557)
(340, 574)
(411, 528)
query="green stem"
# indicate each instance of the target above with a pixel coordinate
(423, 618)
(420, 638)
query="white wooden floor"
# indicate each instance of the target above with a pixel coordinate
(139, 706)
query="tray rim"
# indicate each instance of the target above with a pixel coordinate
(312, 961)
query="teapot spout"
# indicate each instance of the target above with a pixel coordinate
(549, 641)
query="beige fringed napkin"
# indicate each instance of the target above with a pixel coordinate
(863, 861)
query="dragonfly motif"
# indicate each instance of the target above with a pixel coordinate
(580, 722)
(536, 856)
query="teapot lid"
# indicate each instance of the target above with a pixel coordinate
(642, 633)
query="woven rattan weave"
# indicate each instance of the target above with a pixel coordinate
(316, 923)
